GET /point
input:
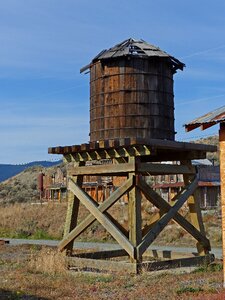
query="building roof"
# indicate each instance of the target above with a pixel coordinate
(207, 120)
(137, 48)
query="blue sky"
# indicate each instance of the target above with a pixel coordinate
(44, 100)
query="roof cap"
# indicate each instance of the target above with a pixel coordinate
(138, 48)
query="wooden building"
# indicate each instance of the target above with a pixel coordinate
(208, 191)
(52, 185)
(210, 119)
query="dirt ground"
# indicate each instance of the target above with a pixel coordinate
(35, 272)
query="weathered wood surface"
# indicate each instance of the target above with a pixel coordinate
(124, 188)
(111, 169)
(124, 168)
(125, 100)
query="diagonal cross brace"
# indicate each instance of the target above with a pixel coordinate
(164, 220)
(164, 206)
(97, 213)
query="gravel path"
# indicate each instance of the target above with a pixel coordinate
(107, 246)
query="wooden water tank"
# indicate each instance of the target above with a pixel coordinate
(131, 93)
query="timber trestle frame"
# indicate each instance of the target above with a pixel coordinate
(134, 159)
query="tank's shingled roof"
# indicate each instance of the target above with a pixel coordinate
(132, 47)
(207, 120)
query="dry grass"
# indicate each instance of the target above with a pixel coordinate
(47, 261)
(47, 222)
(43, 276)
(37, 221)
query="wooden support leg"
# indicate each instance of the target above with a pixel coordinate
(222, 176)
(72, 211)
(134, 213)
(195, 211)
(164, 207)
(164, 220)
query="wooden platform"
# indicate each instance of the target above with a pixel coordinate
(155, 149)
(134, 159)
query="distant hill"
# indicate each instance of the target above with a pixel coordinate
(9, 170)
(211, 140)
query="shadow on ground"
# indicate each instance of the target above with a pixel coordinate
(5, 294)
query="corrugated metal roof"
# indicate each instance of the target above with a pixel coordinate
(132, 47)
(207, 120)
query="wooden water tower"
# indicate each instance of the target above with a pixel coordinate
(131, 92)
(132, 124)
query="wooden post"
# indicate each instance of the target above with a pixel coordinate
(134, 213)
(222, 180)
(72, 210)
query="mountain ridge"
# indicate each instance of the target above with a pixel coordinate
(9, 170)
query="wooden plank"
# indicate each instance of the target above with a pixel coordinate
(156, 169)
(111, 169)
(177, 263)
(124, 188)
(161, 224)
(157, 143)
(103, 254)
(164, 206)
(101, 265)
(195, 212)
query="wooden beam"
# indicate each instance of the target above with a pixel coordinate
(124, 188)
(104, 170)
(102, 254)
(126, 267)
(134, 214)
(102, 265)
(91, 205)
(177, 263)
(160, 169)
(139, 150)
(164, 207)
(164, 220)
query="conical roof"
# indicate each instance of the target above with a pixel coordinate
(132, 47)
